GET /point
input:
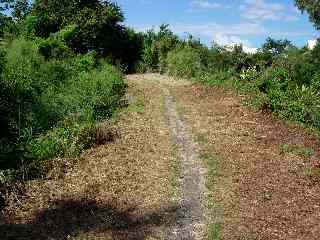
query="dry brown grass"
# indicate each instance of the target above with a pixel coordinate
(265, 192)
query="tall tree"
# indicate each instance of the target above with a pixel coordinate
(99, 27)
(20, 9)
(312, 7)
(5, 5)
(98, 22)
(276, 47)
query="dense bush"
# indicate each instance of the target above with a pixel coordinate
(50, 106)
(184, 62)
(56, 79)
(284, 82)
(96, 25)
(156, 46)
(280, 77)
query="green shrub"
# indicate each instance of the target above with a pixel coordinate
(57, 45)
(57, 99)
(184, 62)
(215, 78)
(63, 141)
(150, 59)
(156, 46)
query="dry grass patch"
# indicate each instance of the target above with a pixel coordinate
(267, 193)
(116, 191)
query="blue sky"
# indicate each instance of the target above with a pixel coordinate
(248, 22)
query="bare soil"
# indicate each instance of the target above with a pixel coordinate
(192, 221)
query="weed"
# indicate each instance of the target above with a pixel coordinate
(297, 150)
(176, 173)
(215, 231)
(138, 106)
(265, 196)
(311, 172)
(184, 63)
(214, 168)
(201, 138)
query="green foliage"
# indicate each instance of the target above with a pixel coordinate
(312, 8)
(56, 46)
(7, 26)
(281, 90)
(184, 62)
(297, 150)
(55, 82)
(276, 47)
(215, 78)
(280, 77)
(156, 48)
(85, 26)
(63, 141)
(50, 106)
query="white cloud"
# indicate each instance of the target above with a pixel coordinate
(211, 29)
(230, 35)
(312, 44)
(230, 41)
(258, 10)
(251, 50)
(204, 4)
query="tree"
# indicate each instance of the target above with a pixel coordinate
(92, 16)
(276, 47)
(99, 27)
(20, 9)
(312, 7)
(11, 12)
(6, 5)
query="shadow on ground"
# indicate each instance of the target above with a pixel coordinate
(67, 219)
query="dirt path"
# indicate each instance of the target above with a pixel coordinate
(186, 162)
(191, 224)
(191, 209)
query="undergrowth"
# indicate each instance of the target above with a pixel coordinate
(214, 172)
(50, 106)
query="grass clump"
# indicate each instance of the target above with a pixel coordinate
(214, 169)
(311, 172)
(215, 231)
(138, 106)
(297, 150)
